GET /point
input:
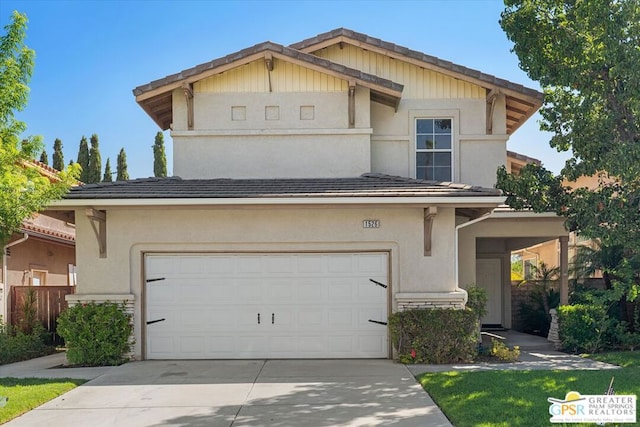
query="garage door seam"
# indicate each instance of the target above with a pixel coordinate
(235, 417)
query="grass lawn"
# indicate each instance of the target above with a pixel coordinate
(28, 393)
(519, 398)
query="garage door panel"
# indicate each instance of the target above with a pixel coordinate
(321, 305)
(370, 344)
(310, 264)
(312, 319)
(340, 263)
(248, 265)
(340, 289)
(310, 289)
(372, 264)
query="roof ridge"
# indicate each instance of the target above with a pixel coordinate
(130, 181)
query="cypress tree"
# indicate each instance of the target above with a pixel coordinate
(58, 157)
(107, 172)
(95, 162)
(159, 156)
(122, 174)
(44, 158)
(83, 159)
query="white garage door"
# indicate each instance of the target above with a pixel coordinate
(242, 306)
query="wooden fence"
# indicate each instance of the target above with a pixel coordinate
(50, 302)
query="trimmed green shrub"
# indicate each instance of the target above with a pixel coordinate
(477, 301)
(501, 351)
(583, 327)
(96, 334)
(16, 346)
(434, 335)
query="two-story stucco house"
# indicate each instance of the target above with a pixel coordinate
(318, 187)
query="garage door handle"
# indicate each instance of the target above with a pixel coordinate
(155, 321)
(378, 322)
(258, 318)
(273, 318)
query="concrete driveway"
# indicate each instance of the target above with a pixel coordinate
(310, 393)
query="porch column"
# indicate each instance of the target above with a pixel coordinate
(564, 270)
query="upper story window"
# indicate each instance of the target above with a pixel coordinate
(434, 142)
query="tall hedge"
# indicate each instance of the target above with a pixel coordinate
(434, 336)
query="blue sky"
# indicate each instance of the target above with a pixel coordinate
(91, 54)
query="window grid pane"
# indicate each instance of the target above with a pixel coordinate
(434, 140)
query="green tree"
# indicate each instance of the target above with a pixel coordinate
(23, 190)
(108, 175)
(95, 161)
(44, 158)
(83, 159)
(159, 156)
(585, 56)
(58, 156)
(121, 168)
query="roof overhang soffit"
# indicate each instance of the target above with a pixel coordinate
(157, 102)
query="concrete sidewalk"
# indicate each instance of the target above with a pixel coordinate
(50, 367)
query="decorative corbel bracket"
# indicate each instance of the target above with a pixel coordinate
(429, 213)
(188, 95)
(268, 62)
(98, 221)
(352, 104)
(491, 102)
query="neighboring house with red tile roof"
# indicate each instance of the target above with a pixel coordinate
(319, 187)
(41, 253)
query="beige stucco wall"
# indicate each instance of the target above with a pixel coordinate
(37, 254)
(502, 228)
(476, 155)
(132, 232)
(273, 115)
(275, 139)
(280, 155)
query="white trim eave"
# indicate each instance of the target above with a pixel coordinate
(524, 214)
(467, 201)
(270, 132)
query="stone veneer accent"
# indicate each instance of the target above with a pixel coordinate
(553, 336)
(425, 300)
(127, 299)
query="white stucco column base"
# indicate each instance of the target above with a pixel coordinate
(409, 300)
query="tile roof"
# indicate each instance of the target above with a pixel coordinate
(523, 158)
(367, 185)
(47, 233)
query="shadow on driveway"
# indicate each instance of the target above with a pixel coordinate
(313, 393)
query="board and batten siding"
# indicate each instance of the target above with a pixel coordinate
(285, 77)
(419, 83)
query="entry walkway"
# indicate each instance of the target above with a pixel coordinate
(536, 353)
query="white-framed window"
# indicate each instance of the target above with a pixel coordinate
(38, 277)
(434, 149)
